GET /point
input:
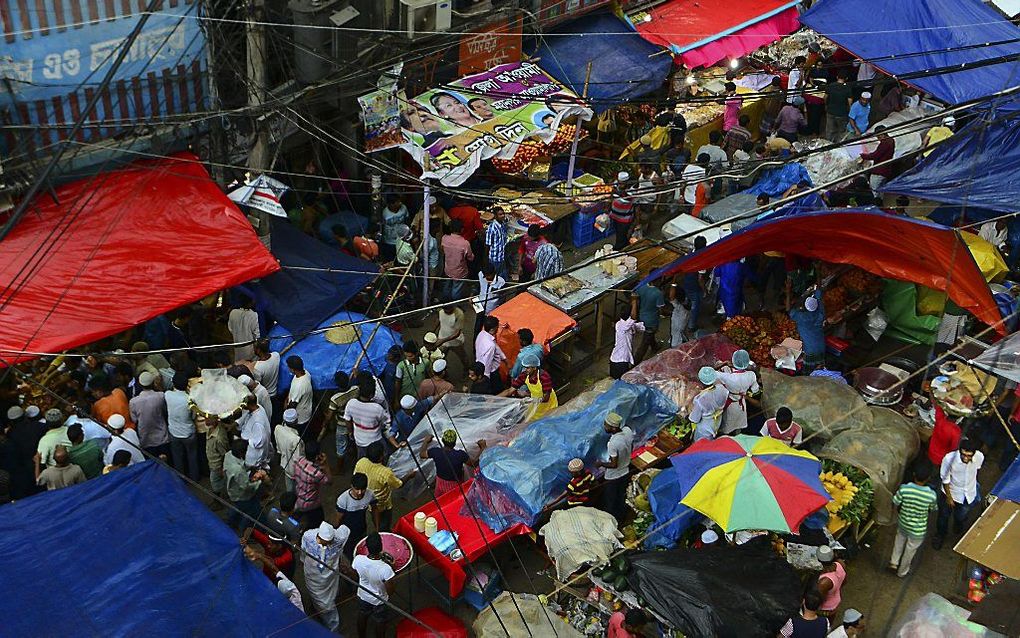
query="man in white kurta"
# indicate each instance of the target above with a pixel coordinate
(321, 563)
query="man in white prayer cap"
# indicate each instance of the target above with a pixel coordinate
(123, 439)
(437, 384)
(260, 392)
(322, 548)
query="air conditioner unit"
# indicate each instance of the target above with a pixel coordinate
(421, 18)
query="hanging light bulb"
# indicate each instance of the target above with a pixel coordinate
(734, 63)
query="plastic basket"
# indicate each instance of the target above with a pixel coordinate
(583, 230)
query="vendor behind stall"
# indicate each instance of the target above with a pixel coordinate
(739, 383)
(707, 407)
(621, 444)
(535, 383)
(810, 322)
(782, 428)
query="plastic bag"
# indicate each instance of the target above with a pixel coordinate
(932, 616)
(521, 615)
(745, 591)
(606, 122)
(218, 393)
(876, 323)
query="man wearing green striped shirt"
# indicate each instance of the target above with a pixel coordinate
(915, 502)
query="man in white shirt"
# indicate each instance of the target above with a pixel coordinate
(622, 357)
(299, 396)
(267, 371)
(260, 393)
(489, 284)
(255, 429)
(488, 352)
(243, 324)
(692, 175)
(959, 492)
(375, 580)
(718, 159)
(122, 440)
(369, 420)
(618, 451)
(289, 445)
(181, 423)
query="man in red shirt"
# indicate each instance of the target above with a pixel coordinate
(944, 438)
(457, 253)
(469, 217)
(281, 558)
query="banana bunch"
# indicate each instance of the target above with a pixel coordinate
(840, 488)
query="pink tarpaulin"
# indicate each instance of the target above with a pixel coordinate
(116, 250)
(702, 33)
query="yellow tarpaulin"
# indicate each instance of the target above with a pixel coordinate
(987, 256)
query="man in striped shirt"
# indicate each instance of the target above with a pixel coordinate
(495, 241)
(915, 502)
(548, 260)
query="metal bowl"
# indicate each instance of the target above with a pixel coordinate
(878, 387)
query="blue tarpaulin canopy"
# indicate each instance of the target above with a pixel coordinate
(879, 30)
(979, 167)
(300, 299)
(1008, 486)
(623, 67)
(323, 359)
(132, 553)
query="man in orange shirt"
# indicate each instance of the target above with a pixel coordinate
(701, 198)
(470, 218)
(109, 401)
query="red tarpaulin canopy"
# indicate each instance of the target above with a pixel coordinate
(117, 250)
(702, 33)
(883, 244)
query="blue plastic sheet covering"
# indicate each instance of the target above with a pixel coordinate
(516, 482)
(132, 553)
(939, 28)
(300, 299)
(776, 182)
(621, 64)
(1008, 486)
(323, 359)
(978, 167)
(672, 519)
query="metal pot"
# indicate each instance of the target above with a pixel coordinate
(878, 387)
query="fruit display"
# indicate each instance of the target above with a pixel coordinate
(757, 335)
(851, 491)
(860, 282)
(530, 150)
(637, 498)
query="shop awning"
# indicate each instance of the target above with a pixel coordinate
(299, 299)
(979, 167)
(702, 33)
(136, 554)
(118, 249)
(935, 29)
(623, 67)
(883, 244)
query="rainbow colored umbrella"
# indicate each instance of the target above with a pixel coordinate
(750, 482)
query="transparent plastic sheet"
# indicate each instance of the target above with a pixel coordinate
(675, 371)
(517, 481)
(826, 166)
(497, 420)
(535, 622)
(881, 450)
(932, 616)
(1002, 358)
(822, 406)
(218, 393)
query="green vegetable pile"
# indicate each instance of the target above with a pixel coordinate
(859, 508)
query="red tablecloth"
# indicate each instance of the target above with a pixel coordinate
(474, 536)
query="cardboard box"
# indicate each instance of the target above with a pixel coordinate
(994, 540)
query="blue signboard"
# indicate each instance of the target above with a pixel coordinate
(55, 54)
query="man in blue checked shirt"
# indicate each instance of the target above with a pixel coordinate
(495, 241)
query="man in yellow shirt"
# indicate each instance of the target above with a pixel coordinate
(382, 481)
(938, 133)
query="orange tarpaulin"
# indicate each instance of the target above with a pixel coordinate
(527, 311)
(885, 245)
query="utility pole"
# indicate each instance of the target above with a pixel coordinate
(258, 157)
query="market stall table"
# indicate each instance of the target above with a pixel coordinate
(474, 537)
(550, 326)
